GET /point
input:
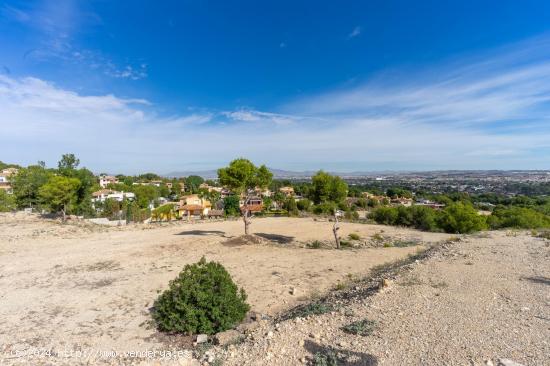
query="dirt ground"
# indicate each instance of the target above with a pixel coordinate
(482, 301)
(80, 287)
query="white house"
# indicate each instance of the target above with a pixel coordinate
(102, 195)
(104, 180)
(5, 178)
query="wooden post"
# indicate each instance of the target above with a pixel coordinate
(335, 229)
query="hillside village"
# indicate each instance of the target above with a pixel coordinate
(75, 192)
(189, 198)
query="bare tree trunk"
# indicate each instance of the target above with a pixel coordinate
(246, 218)
(246, 221)
(64, 215)
(335, 229)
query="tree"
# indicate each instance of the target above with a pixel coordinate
(88, 184)
(175, 191)
(328, 188)
(231, 205)
(304, 204)
(193, 182)
(291, 207)
(68, 164)
(461, 218)
(242, 176)
(145, 195)
(60, 193)
(7, 201)
(26, 184)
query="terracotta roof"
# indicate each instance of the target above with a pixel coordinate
(102, 191)
(191, 207)
(253, 208)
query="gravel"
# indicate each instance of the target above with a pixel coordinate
(484, 300)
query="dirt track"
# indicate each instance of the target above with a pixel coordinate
(84, 286)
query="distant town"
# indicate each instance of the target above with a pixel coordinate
(76, 192)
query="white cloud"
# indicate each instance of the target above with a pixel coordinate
(250, 115)
(482, 114)
(55, 25)
(355, 32)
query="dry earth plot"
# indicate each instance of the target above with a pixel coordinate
(86, 287)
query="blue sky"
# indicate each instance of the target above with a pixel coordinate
(133, 86)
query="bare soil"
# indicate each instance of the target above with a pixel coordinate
(483, 300)
(82, 286)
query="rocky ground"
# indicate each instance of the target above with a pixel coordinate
(483, 300)
(79, 292)
(480, 300)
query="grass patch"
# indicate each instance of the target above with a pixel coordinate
(354, 236)
(405, 243)
(316, 244)
(363, 327)
(390, 267)
(377, 237)
(326, 358)
(314, 308)
(340, 286)
(345, 244)
(544, 234)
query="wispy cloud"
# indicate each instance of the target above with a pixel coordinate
(251, 115)
(490, 111)
(355, 32)
(56, 25)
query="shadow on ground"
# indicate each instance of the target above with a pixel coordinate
(281, 239)
(323, 355)
(202, 232)
(538, 279)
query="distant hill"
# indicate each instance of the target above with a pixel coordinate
(277, 173)
(288, 174)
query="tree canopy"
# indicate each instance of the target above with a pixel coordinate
(242, 174)
(60, 193)
(328, 188)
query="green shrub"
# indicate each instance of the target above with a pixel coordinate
(326, 358)
(363, 327)
(354, 236)
(314, 308)
(518, 217)
(316, 244)
(377, 237)
(202, 299)
(345, 244)
(461, 218)
(326, 208)
(385, 215)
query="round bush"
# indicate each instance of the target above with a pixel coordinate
(202, 299)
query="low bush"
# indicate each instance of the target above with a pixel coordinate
(316, 244)
(455, 218)
(345, 244)
(314, 308)
(377, 237)
(202, 299)
(354, 236)
(363, 327)
(518, 218)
